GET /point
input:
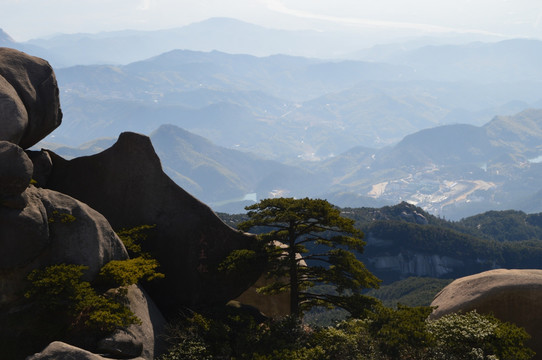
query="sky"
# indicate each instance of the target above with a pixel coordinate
(26, 19)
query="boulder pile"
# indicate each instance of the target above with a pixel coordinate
(54, 211)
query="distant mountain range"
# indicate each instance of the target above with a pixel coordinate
(222, 34)
(226, 179)
(400, 122)
(477, 61)
(313, 108)
(453, 171)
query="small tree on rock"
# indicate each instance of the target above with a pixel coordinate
(310, 243)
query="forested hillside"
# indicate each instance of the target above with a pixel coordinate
(405, 241)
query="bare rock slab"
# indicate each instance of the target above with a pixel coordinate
(29, 98)
(510, 295)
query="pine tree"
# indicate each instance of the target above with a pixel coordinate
(309, 243)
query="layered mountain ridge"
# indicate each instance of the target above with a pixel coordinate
(453, 170)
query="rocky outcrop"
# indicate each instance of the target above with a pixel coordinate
(126, 184)
(409, 263)
(272, 306)
(510, 295)
(29, 99)
(137, 340)
(60, 350)
(45, 219)
(40, 227)
(15, 171)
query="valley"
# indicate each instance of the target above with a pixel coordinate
(372, 128)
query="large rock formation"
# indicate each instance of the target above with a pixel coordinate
(126, 184)
(29, 101)
(510, 295)
(40, 227)
(45, 220)
(15, 171)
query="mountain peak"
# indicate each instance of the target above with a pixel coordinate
(5, 39)
(225, 22)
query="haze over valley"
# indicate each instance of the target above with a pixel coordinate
(446, 123)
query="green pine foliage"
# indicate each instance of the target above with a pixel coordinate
(101, 306)
(133, 237)
(309, 243)
(413, 291)
(510, 225)
(59, 288)
(122, 273)
(58, 217)
(400, 333)
(508, 239)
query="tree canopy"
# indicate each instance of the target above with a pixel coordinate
(310, 243)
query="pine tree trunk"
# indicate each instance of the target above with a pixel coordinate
(292, 262)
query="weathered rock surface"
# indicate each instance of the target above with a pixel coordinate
(273, 306)
(52, 228)
(126, 184)
(15, 170)
(55, 228)
(29, 98)
(510, 295)
(39, 228)
(409, 263)
(43, 166)
(58, 350)
(13, 116)
(137, 340)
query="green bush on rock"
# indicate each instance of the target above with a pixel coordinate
(100, 306)
(130, 271)
(60, 288)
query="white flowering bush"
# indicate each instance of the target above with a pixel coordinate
(472, 336)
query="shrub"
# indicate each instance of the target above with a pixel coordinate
(64, 218)
(401, 333)
(60, 288)
(387, 334)
(475, 336)
(127, 272)
(132, 238)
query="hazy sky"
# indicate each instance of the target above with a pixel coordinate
(25, 19)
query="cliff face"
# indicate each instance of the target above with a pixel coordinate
(409, 263)
(127, 185)
(403, 241)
